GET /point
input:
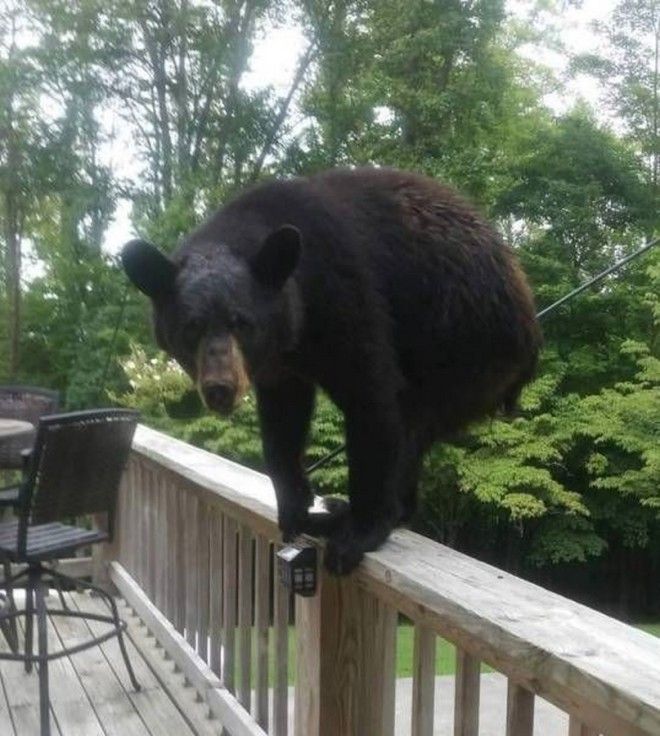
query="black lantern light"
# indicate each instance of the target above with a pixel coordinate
(297, 567)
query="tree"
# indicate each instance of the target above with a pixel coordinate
(578, 199)
(436, 87)
(20, 153)
(629, 71)
(176, 75)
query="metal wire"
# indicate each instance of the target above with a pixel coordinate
(596, 279)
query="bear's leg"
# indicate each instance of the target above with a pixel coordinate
(285, 412)
(410, 472)
(374, 445)
(419, 440)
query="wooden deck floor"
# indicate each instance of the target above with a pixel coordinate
(90, 691)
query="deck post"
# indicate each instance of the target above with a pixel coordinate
(345, 661)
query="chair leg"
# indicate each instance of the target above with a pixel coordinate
(58, 587)
(29, 620)
(119, 625)
(122, 645)
(9, 626)
(42, 621)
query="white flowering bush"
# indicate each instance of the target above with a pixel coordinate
(156, 383)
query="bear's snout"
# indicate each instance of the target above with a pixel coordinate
(222, 378)
(220, 397)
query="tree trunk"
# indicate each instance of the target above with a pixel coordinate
(13, 280)
(656, 153)
(12, 236)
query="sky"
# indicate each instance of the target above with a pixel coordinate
(285, 45)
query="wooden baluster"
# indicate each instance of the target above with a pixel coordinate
(423, 682)
(191, 527)
(141, 537)
(229, 604)
(519, 711)
(149, 532)
(160, 543)
(126, 544)
(384, 641)
(245, 615)
(577, 728)
(375, 688)
(215, 591)
(172, 586)
(466, 703)
(131, 512)
(281, 606)
(203, 552)
(134, 520)
(262, 621)
(180, 506)
(152, 533)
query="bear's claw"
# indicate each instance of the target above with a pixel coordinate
(347, 545)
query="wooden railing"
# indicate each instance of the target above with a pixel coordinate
(193, 554)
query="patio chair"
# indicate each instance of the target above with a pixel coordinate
(29, 404)
(74, 470)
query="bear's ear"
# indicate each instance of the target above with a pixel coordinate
(150, 270)
(277, 257)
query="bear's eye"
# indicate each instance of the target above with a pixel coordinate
(241, 324)
(192, 333)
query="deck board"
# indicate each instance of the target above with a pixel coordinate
(104, 690)
(22, 695)
(153, 702)
(69, 701)
(6, 724)
(90, 691)
(171, 679)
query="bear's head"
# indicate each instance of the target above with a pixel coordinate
(224, 318)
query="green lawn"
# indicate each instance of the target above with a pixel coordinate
(444, 655)
(650, 628)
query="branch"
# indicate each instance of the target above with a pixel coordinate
(307, 58)
(239, 28)
(202, 116)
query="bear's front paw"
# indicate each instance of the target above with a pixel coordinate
(292, 521)
(325, 521)
(346, 547)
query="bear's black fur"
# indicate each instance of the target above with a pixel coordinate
(384, 288)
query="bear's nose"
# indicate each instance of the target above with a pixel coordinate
(219, 397)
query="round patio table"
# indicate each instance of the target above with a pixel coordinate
(11, 429)
(12, 433)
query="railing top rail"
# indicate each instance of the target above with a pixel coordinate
(592, 666)
(246, 494)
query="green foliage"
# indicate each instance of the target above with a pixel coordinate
(571, 471)
(561, 539)
(578, 189)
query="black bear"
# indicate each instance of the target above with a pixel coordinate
(382, 287)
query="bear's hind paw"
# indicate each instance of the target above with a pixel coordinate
(346, 547)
